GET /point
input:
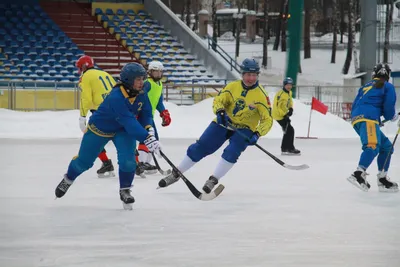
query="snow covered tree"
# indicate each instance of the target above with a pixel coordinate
(334, 30)
(307, 25)
(388, 25)
(265, 35)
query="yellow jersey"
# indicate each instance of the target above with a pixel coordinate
(282, 102)
(95, 85)
(247, 108)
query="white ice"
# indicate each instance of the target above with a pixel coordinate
(267, 215)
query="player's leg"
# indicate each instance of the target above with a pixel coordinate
(369, 136)
(209, 142)
(107, 168)
(384, 157)
(289, 139)
(285, 144)
(90, 147)
(237, 144)
(125, 145)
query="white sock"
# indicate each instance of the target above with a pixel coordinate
(222, 168)
(382, 174)
(143, 156)
(186, 164)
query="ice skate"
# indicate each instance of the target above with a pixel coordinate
(140, 170)
(385, 185)
(209, 185)
(291, 152)
(126, 198)
(148, 168)
(358, 179)
(63, 186)
(170, 179)
(106, 170)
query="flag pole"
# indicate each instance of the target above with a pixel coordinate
(309, 122)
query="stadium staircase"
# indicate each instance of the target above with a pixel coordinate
(76, 21)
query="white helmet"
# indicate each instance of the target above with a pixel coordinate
(156, 65)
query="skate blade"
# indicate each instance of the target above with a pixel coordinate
(290, 154)
(151, 172)
(354, 182)
(106, 175)
(127, 206)
(388, 190)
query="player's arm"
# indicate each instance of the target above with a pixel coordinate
(145, 116)
(223, 99)
(86, 97)
(389, 102)
(127, 120)
(160, 105)
(266, 121)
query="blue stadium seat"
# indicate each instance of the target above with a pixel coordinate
(109, 11)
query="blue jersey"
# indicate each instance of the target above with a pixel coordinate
(371, 103)
(119, 113)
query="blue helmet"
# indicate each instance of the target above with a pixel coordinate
(128, 74)
(287, 80)
(250, 65)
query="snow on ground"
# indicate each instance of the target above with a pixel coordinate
(315, 71)
(266, 216)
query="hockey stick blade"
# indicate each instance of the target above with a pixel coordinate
(277, 160)
(296, 168)
(167, 172)
(192, 188)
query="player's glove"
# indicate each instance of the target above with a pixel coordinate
(290, 112)
(254, 138)
(222, 118)
(166, 118)
(82, 124)
(153, 144)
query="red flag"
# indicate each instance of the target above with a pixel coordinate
(319, 106)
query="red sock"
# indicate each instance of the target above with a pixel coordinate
(103, 156)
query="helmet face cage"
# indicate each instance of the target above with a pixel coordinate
(155, 66)
(382, 70)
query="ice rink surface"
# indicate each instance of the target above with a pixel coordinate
(267, 215)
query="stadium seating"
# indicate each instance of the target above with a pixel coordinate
(33, 48)
(149, 41)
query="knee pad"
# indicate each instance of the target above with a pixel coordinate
(373, 149)
(198, 150)
(127, 165)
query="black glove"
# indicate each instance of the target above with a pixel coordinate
(290, 112)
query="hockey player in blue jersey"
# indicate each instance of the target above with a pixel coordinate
(243, 104)
(375, 99)
(124, 117)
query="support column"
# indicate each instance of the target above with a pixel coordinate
(295, 27)
(368, 45)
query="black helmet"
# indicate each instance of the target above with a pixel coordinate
(382, 70)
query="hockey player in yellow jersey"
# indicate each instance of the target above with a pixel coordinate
(243, 104)
(95, 85)
(282, 110)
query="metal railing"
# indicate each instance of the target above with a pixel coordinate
(35, 96)
(220, 51)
